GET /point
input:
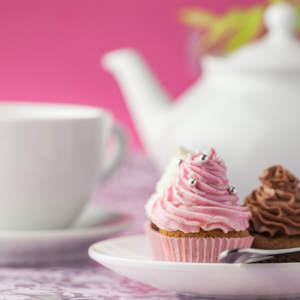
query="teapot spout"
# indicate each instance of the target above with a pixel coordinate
(145, 97)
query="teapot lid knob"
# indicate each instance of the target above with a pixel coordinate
(280, 17)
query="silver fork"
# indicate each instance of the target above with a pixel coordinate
(251, 255)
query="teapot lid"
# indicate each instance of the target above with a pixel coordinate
(279, 50)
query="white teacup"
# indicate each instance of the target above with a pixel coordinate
(52, 157)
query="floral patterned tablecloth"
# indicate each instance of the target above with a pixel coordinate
(126, 191)
(81, 281)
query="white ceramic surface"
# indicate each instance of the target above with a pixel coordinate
(130, 256)
(52, 157)
(22, 248)
(245, 104)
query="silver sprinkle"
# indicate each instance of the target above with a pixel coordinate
(232, 190)
(203, 158)
(192, 182)
(179, 161)
(176, 192)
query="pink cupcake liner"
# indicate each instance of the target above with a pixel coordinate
(156, 246)
(201, 250)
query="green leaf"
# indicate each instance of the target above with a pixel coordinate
(238, 26)
(250, 27)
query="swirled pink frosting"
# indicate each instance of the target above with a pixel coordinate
(208, 205)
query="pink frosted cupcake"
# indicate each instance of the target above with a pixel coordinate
(197, 217)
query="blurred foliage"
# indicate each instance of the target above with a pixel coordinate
(222, 33)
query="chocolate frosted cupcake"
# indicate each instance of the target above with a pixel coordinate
(197, 217)
(275, 207)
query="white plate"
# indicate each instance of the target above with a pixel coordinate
(54, 246)
(130, 256)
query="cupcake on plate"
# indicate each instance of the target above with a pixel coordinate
(275, 208)
(197, 217)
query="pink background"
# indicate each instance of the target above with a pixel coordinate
(50, 50)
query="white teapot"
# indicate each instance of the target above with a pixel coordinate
(245, 105)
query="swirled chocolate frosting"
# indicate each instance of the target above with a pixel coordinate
(275, 206)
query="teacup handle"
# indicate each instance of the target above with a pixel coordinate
(119, 151)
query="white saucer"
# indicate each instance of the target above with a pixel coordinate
(130, 256)
(53, 246)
